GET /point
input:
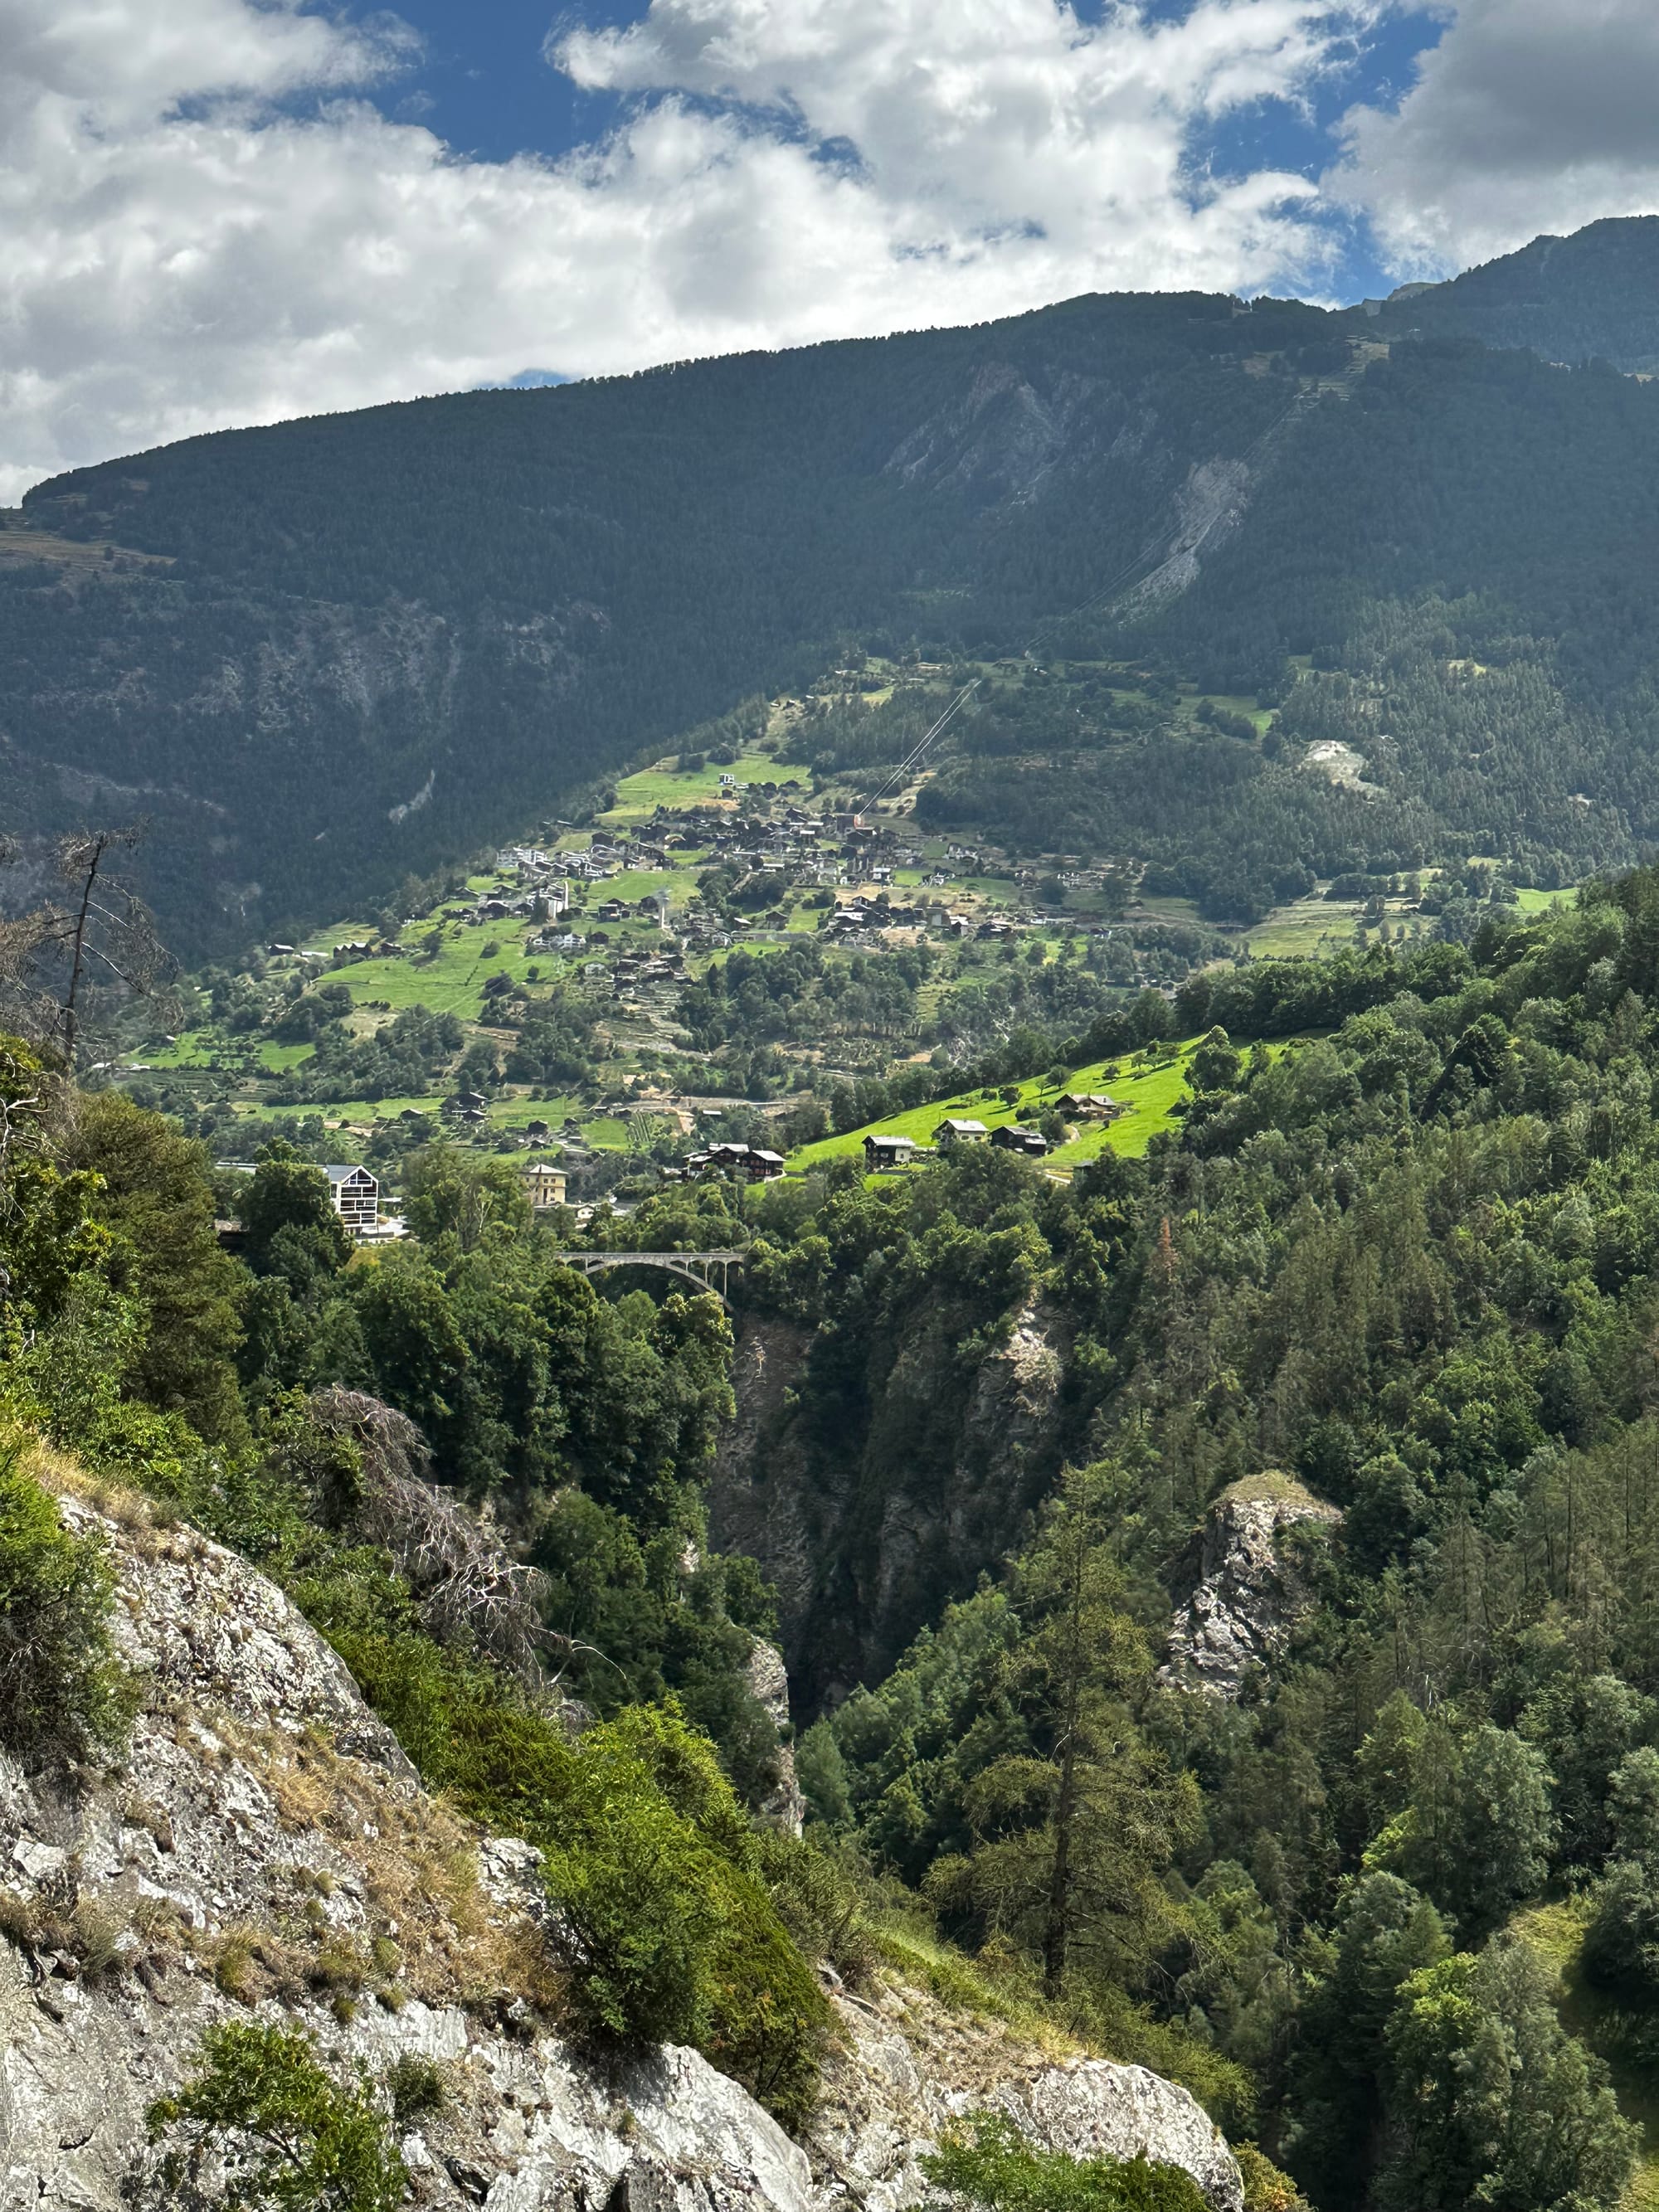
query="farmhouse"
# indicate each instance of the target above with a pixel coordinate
(1011, 1139)
(1088, 1106)
(889, 1152)
(752, 1162)
(355, 1196)
(955, 1130)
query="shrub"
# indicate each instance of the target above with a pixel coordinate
(62, 1690)
(817, 1889)
(768, 2018)
(1266, 2189)
(417, 2088)
(988, 2162)
(648, 1856)
(291, 2136)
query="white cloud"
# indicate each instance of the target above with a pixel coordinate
(1528, 116)
(205, 220)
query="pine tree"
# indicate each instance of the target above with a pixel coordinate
(1072, 1833)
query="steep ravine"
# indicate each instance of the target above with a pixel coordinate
(869, 1521)
(262, 1824)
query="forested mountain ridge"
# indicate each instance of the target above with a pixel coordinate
(508, 597)
(355, 646)
(1593, 294)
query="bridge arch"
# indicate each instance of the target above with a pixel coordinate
(700, 1268)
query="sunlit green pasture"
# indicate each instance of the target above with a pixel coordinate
(639, 795)
(1150, 1089)
(1555, 1932)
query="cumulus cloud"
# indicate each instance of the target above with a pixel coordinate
(205, 217)
(1527, 116)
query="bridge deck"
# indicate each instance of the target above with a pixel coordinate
(699, 1268)
(652, 1259)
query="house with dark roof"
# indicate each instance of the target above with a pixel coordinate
(1013, 1139)
(881, 1152)
(754, 1162)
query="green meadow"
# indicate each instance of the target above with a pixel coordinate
(639, 795)
(1150, 1089)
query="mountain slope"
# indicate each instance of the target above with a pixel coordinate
(1595, 295)
(508, 592)
(325, 655)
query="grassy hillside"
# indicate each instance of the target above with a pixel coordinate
(1150, 1085)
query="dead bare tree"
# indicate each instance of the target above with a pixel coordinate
(26, 1096)
(99, 938)
(467, 1587)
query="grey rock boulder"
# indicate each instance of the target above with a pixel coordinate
(1250, 1594)
(909, 2068)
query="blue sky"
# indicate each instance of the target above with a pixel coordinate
(484, 85)
(230, 211)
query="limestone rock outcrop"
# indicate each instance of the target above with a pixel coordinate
(910, 2068)
(1249, 1592)
(264, 1850)
(785, 1804)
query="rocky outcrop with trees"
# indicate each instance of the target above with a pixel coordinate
(248, 1881)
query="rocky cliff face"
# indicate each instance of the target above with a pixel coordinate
(866, 1531)
(769, 1684)
(265, 1850)
(756, 1503)
(1249, 1592)
(934, 1536)
(910, 2068)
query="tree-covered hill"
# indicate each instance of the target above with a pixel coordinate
(1388, 1901)
(325, 655)
(1596, 294)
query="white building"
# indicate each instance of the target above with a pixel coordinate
(356, 1195)
(545, 1185)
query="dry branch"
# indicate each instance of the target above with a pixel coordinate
(468, 1589)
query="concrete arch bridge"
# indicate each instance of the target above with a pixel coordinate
(702, 1268)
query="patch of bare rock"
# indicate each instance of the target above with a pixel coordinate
(266, 1851)
(1251, 1587)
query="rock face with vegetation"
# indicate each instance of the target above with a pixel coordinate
(911, 2070)
(769, 1684)
(1250, 1591)
(1001, 1435)
(858, 1522)
(756, 1503)
(264, 1852)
